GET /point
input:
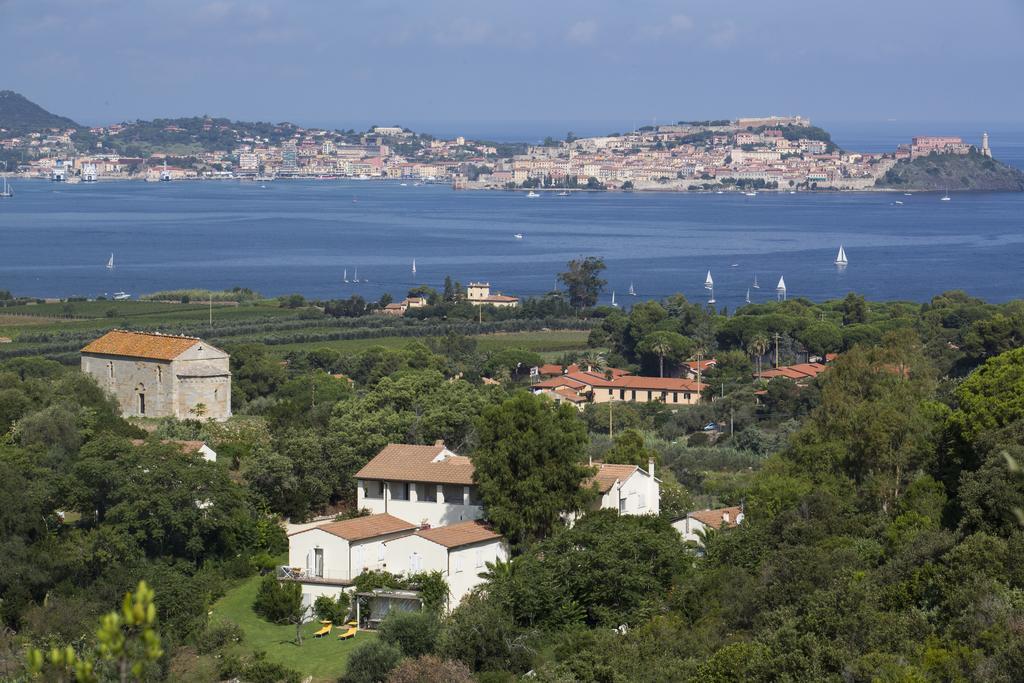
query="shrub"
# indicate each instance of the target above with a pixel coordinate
(430, 669)
(218, 635)
(372, 662)
(330, 609)
(259, 670)
(277, 601)
(415, 633)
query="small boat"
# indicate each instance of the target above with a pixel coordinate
(755, 285)
(403, 184)
(532, 195)
(841, 259)
(417, 184)
(792, 191)
(709, 284)
(613, 299)
(751, 193)
(518, 235)
(780, 290)
(345, 276)
(354, 200)
(907, 194)
(897, 203)
(7, 190)
(946, 197)
(110, 261)
(563, 193)
(734, 265)
(355, 277)
(748, 295)
(414, 267)
(632, 290)
(719, 192)
(121, 296)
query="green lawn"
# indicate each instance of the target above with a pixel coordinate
(324, 659)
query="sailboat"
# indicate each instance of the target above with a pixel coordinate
(632, 290)
(613, 299)
(345, 276)
(110, 261)
(945, 197)
(355, 277)
(414, 267)
(709, 284)
(755, 285)
(748, 295)
(841, 259)
(780, 290)
(8, 191)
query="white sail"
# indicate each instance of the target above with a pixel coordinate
(110, 262)
(756, 286)
(708, 281)
(355, 277)
(781, 288)
(632, 291)
(345, 276)
(613, 298)
(841, 257)
(748, 295)
(414, 266)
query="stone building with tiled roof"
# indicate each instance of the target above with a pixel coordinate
(160, 375)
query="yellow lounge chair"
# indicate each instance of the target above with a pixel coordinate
(326, 630)
(351, 632)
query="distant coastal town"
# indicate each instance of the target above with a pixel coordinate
(784, 153)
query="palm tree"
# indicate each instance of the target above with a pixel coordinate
(593, 359)
(757, 348)
(661, 348)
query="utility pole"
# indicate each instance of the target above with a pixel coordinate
(610, 418)
(776, 350)
(211, 310)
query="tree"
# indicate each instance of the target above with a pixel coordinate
(430, 669)
(529, 465)
(371, 662)
(629, 449)
(757, 347)
(127, 646)
(583, 280)
(662, 344)
(414, 633)
(278, 601)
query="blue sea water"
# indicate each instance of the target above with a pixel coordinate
(299, 236)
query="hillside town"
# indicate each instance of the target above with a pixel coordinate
(772, 153)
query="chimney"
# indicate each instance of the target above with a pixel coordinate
(653, 502)
(650, 467)
(725, 516)
(439, 443)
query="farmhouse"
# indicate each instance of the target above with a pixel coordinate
(159, 375)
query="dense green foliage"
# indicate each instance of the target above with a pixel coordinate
(19, 116)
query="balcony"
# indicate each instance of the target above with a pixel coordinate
(303, 575)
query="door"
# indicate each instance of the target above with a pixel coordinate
(318, 562)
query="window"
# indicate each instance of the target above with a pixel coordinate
(142, 404)
(632, 395)
(675, 397)
(318, 562)
(110, 369)
(380, 552)
(622, 505)
(641, 501)
(458, 562)
(664, 396)
(649, 394)
(687, 396)
(474, 496)
(399, 490)
(452, 494)
(373, 489)
(479, 557)
(357, 559)
(159, 374)
(622, 394)
(610, 392)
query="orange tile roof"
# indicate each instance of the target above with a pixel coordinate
(406, 462)
(460, 534)
(608, 474)
(361, 528)
(555, 369)
(569, 395)
(141, 345)
(714, 519)
(656, 383)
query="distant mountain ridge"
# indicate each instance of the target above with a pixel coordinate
(20, 115)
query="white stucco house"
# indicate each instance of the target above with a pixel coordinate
(427, 485)
(326, 558)
(695, 524)
(161, 375)
(460, 551)
(628, 489)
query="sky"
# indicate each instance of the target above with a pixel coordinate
(583, 65)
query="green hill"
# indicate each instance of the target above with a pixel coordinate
(19, 115)
(938, 172)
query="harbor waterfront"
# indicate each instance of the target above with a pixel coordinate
(299, 236)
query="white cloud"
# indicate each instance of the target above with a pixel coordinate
(582, 32)
(724, 35)
(680, 22)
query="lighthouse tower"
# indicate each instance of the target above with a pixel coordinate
(985, 151)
